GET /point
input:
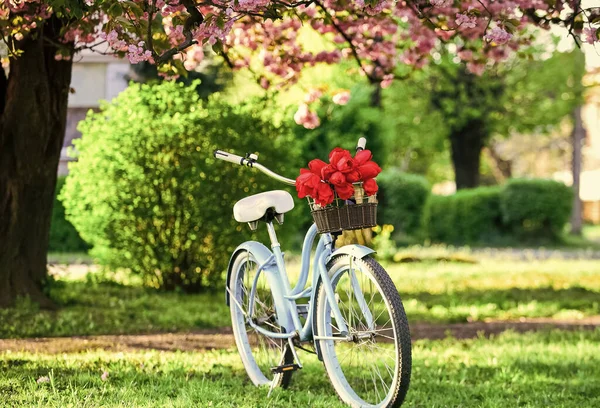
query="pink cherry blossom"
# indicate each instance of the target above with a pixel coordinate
(590, 35)
(307, 118)
(466, 21)
(312, 95)
(441, 3)
(498, 35)
(341, 98)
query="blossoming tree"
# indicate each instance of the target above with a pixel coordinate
(44, 36)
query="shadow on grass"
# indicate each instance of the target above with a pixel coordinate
(91, 308)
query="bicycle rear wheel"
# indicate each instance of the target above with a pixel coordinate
(372, 368)
(259, 353)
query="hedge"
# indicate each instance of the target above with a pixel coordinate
(402, 198)
(536, 208)
(467, 216)
(523, 209)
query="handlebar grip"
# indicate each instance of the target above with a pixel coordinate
(232, 158)
(362, 142)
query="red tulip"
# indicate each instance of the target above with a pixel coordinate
(353, 176)
(316, 166)
(344, 191)
(323, 194)
(306, 183)
(336, 151)
(341, 160)
(369, 170)
(327, 171)
(362, 157)
(337, 179)
(370, 187)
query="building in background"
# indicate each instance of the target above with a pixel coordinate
(95, 78)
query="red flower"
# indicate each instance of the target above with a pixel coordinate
(307, 183)
(327, 171)
(340, 173)
(362, 157)
(337, 178)
(316, 166)
(369, 170)
(341, 160)
(370, 187)
(323, 194)
(353, 176)
(344, 191)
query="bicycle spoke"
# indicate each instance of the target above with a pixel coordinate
(367, 365)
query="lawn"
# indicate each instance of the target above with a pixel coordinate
(551, 368)
(432, 292)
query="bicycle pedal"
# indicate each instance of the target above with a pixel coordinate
(285, 368)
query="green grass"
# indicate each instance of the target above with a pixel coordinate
(557, 369)
(432, 292)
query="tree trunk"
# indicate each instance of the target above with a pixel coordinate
(32, 129)
(466, 146)
(577, 138)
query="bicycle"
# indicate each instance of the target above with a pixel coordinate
(352, 313)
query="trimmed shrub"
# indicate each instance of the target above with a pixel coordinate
(150, 197)
(402, 198)
(465, 217)
(63, 235)
(536, 208)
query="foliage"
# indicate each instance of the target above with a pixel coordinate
(415, 139)
(467, 216)
(342, 126)
(520, 95)
(213, 76)
(147, 193)
(383, 244)
(402, 198)
(63, 236)
(375, 33)
(536, 208)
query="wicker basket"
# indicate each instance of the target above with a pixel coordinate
(356, 213)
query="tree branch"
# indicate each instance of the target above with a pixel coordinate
(194, 20)
(348, 40)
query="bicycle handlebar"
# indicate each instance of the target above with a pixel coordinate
(362, 142)
(251, 162)
(232, 158)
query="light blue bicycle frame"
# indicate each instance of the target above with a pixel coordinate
(284, 296)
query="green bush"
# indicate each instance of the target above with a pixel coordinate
(402, 199)
(63, 235)
(147, 193)
(465, 217)
(536, 208)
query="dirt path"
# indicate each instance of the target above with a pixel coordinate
(223, 338)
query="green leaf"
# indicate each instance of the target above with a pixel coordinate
(116, 10)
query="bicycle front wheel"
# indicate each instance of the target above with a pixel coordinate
(259, 353)
(371, 367)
